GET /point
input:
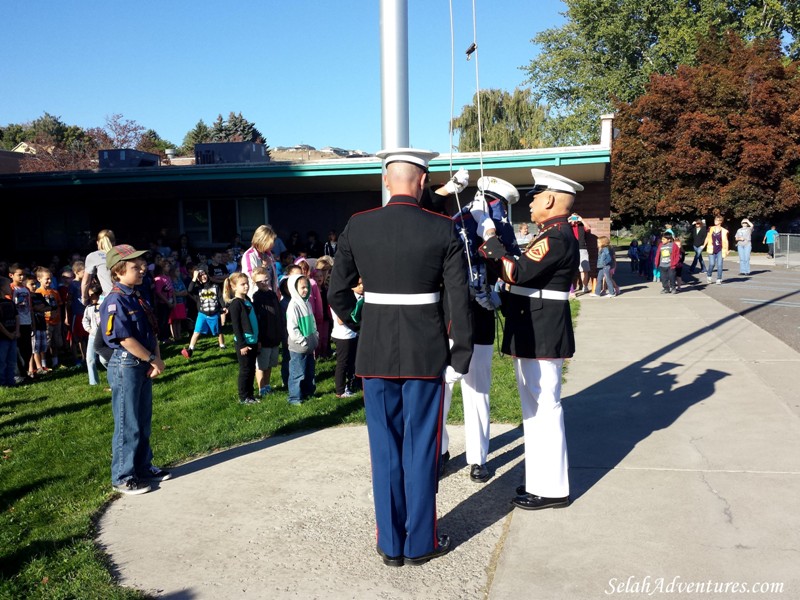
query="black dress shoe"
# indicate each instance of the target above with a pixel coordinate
(479, 473)
(441, 550)
(390, 561)
(442, 462)
(534, 502)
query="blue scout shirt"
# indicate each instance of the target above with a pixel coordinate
(123, 314)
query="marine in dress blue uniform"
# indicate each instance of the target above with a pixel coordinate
(538, 332)
(407, 257)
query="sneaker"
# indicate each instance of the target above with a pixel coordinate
(247, 401)
(593, 295)
(132, 487)
(663, 291)
(611, 296)
(18, 379)
(346, 394)
(157, 474)
(43, 371)
(265, 390)
(719, 281)
(187, 353)
(223, 347)
(674, 290)
(295, 402)
(708, 278)
(586, 290)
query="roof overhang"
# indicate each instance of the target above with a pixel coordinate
(581, 163)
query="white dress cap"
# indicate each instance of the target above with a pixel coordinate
(499, 187)
(421, 158)
(545, 180)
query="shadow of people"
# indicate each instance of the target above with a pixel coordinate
(606, 421)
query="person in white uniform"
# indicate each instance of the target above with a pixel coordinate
(538, 331)
(498, 195)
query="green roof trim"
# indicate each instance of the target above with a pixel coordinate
(279, 170)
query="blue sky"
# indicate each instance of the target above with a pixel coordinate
(306, 72)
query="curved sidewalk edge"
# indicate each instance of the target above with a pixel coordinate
(292, 517)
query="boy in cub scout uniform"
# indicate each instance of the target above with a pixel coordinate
(499, 195)
(405, 256)
(538, 331)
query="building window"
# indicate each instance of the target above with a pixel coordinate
(252, 212)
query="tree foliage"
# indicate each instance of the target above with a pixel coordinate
(57, 146)
(608, 49)
(722, 137)
(199, 134)
(235, 129)
(509, 121)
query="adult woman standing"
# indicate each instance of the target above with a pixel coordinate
(96, 265)
(259, 254)
(717, 248)
(744, 245)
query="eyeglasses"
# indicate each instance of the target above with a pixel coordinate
(259, 281)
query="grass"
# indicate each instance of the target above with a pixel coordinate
(55, 444)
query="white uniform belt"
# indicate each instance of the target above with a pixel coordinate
(534, 293)
(401, 299)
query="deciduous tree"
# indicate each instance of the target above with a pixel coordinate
(509, 121)
(720, 137)
(608, 49)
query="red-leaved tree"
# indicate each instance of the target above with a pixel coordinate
(719, 138)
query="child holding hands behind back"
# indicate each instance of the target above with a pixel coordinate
(302, 340)
(245, 332)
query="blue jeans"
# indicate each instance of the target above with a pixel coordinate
(715, 260)
(301, 376)
(744, 258)
(8, 361)
(132, 406)
(604, 274)
(698, 257)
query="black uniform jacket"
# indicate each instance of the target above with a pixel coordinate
(404, 249)
(538, 327)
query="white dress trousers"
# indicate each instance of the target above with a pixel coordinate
(475, 393)
(539, 384)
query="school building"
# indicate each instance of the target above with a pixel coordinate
(61, 212)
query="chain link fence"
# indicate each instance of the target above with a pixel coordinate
(787, 250)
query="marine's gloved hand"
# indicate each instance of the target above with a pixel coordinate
(483, 299)
(489, 300)
(494, 298)
(457, 182)
(451, 375)
(479, 209)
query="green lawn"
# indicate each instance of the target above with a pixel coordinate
(55, 443)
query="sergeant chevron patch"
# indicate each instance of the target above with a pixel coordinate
(538, 251)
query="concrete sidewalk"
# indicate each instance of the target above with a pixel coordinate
(684, 444)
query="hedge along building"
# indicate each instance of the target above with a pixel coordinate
(61, 212)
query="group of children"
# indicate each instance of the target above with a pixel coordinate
(50, 317)
(659, 260)
(269, 328)
(262, 323)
